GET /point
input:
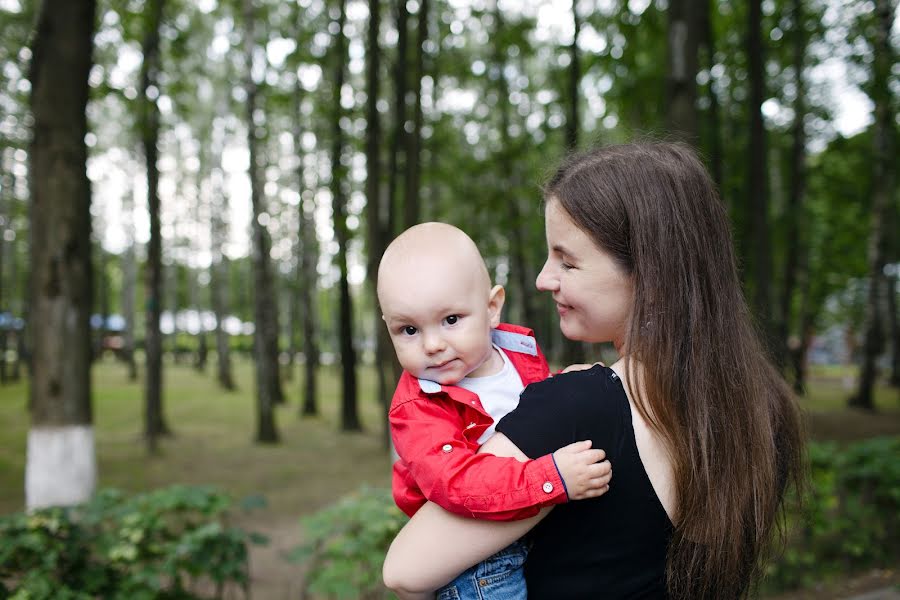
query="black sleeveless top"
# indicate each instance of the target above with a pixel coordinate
(608, 547)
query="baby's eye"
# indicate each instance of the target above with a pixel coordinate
(409, 330)
(452, 319)
(566, 266)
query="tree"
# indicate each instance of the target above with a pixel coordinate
(411, 201)
(307, 249)
(154, 419)
(376, 207)
(684, 43)
(883, 194)
(797, 189)
(349, 414)
(757, 175)
(268, 383)
(61, 467)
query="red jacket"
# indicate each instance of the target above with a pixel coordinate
(435, 429)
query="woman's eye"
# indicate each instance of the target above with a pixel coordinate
(452, 319)
(566, 266)
(409, 330)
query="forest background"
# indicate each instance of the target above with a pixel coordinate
(194, 195)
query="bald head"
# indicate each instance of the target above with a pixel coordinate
(430, 249)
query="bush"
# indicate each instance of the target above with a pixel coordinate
(851, 516)
(170, 543)
(346, 543)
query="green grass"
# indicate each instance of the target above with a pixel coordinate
(314, 463)
(213, 440)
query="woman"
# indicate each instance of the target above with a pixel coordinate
(701, 430)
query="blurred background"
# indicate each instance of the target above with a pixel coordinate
(194, 197)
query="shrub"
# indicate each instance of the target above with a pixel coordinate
(346, 543)
(169, 543)
(851, 516)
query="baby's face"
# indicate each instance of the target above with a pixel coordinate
(439, 316)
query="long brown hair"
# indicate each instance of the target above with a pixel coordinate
(727, 418)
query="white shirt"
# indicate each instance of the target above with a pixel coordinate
(499, 393)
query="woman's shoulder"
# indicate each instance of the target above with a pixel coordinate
(597, 388)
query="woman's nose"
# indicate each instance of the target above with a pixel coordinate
(545, 281)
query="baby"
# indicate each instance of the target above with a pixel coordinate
(463, 371)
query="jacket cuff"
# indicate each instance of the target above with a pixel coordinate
(552, 487)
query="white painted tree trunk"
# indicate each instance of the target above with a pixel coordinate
(62, 466)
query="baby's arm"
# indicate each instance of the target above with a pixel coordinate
(429, 439)
(435, 546)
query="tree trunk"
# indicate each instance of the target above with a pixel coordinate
(400, 89)
(411, 200)
(129, 283)
(61, 466)
(308, 252)
(154, 419)
(894, 328)
(573, 351)
(102, 301)
(519, 267)
(349, 412)
(757, 188)
(265, 338)
(882, 192)
(684, 43)
(797, 192)
(376, 210)
(715, 136)
(6, 202)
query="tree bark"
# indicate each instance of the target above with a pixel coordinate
(265, 338)
(411, 200)
(376, 210)
(400, 90)
(757, 187)
(882, 191)
(308, 252)
(573, 351)
(61, 464)
(684, 44)
(797, 191)
(349, 413)
(715, 135)
(129, 283)
(154, 419)
(6, 202)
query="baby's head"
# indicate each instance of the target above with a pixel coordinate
(438, 304)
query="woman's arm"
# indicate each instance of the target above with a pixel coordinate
(436, 546)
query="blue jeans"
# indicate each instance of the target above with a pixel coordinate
(499, 577)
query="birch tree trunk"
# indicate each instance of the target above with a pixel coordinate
(268, 382)
(154, 420)
(61, 467)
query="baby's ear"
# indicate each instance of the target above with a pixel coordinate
(495, 304)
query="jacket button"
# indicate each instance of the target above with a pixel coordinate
(447, 448)
(548, 487)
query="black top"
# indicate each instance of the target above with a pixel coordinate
(613, 546)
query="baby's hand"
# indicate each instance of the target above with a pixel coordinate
(581, 367)
(582, 471)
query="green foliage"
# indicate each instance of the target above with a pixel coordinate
(346, 543)
(851, 514)
(152, 545)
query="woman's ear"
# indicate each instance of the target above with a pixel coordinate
(495, 304)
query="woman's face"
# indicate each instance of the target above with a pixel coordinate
(593, 295)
